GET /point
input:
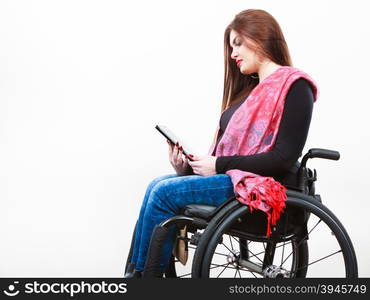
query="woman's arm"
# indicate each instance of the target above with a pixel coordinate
(290, 140)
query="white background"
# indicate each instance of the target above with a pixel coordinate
(83, 83)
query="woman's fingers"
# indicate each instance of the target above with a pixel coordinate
(185, 162)
(170, 145)
(170, 151)
(179, 155)
(175, 153)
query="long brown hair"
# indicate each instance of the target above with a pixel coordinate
(259, 26)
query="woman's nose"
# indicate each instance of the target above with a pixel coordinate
(233, 54)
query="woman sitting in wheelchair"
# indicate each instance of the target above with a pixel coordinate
(265, 118)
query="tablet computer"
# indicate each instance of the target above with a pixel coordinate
(168, 134)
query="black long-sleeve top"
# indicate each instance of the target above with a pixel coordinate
(290, 140)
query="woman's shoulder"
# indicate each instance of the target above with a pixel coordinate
(301, 83)
(300, 89)
(302, 80)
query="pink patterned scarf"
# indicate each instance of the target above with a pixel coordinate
(253, 129)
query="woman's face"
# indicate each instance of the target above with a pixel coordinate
(245, 58)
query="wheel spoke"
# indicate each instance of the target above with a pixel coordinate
(285, 229)
(246, 270)
(223, 265)
(217, 265)
(228, 267)
(184, 275)
(259, 253)
(218, 253)
(253, 255)
(282, 254)
(231, 243)
(302, 240)
(240, 275)
(316, 261)
(227, 248)
(223, 270)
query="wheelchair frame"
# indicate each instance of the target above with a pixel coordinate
(222, 220)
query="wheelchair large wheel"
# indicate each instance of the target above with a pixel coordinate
(331, 251)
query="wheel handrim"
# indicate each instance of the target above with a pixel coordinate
(342, 252)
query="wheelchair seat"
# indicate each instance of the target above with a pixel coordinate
(202, 211)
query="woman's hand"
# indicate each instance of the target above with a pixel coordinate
(180, 165)
(204, 165)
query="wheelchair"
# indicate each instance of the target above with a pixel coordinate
(230, 241)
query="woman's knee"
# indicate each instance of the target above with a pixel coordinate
(159, 195)
(162, 186)
(162, 195)
(158, 179)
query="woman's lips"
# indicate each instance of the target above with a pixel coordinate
(238, 62)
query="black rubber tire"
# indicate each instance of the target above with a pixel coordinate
(303, 202)
(207, 234)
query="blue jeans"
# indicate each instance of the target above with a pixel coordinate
(164, 198)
